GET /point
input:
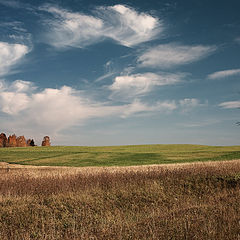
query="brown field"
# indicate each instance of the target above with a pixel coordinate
(177, 201)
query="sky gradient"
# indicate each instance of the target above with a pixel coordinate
(120, 72)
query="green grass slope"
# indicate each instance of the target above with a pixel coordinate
(117, 155)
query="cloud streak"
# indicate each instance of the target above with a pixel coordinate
(142, 83)
(224, 74)
(10, 55)
(120, 23)
(230, 104)
(170, 55)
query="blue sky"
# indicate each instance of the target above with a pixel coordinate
(120, 72)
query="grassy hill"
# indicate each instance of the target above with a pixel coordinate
(117, 155)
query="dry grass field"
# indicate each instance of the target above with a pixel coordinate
(177, 201)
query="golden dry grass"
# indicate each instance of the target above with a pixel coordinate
(177, 201)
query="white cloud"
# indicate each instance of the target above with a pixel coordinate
(139, 84)
(26, 109)
(105, 76)
(130, 27)
(224, 74)
(120, 23)
(188, 104)
(231, 104)
(171, 55)
(10, 55)
(22, 86)
(51, 110)
(12, 102)
(137, 107)
(13, 98)
(72, 29)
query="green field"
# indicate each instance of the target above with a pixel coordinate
(117, 155)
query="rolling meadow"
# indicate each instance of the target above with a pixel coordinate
(124, 192)
(117, 155)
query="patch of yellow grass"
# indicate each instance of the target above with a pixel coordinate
(174, 201)
(42, 171)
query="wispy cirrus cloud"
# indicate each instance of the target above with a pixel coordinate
(142, 83)
(224, 74)
(10, 55)
(170, 55)
(130, 27)
(15, 32)
(119, 23)
(230, 104)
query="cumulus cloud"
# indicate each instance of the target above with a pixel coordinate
(12, 103)
(139, 84)
(119, 23)
(10, 55)
(170, 55)
(51, 110)
(22, 86)
(231, 104)
(224, 74)
(14, 98)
